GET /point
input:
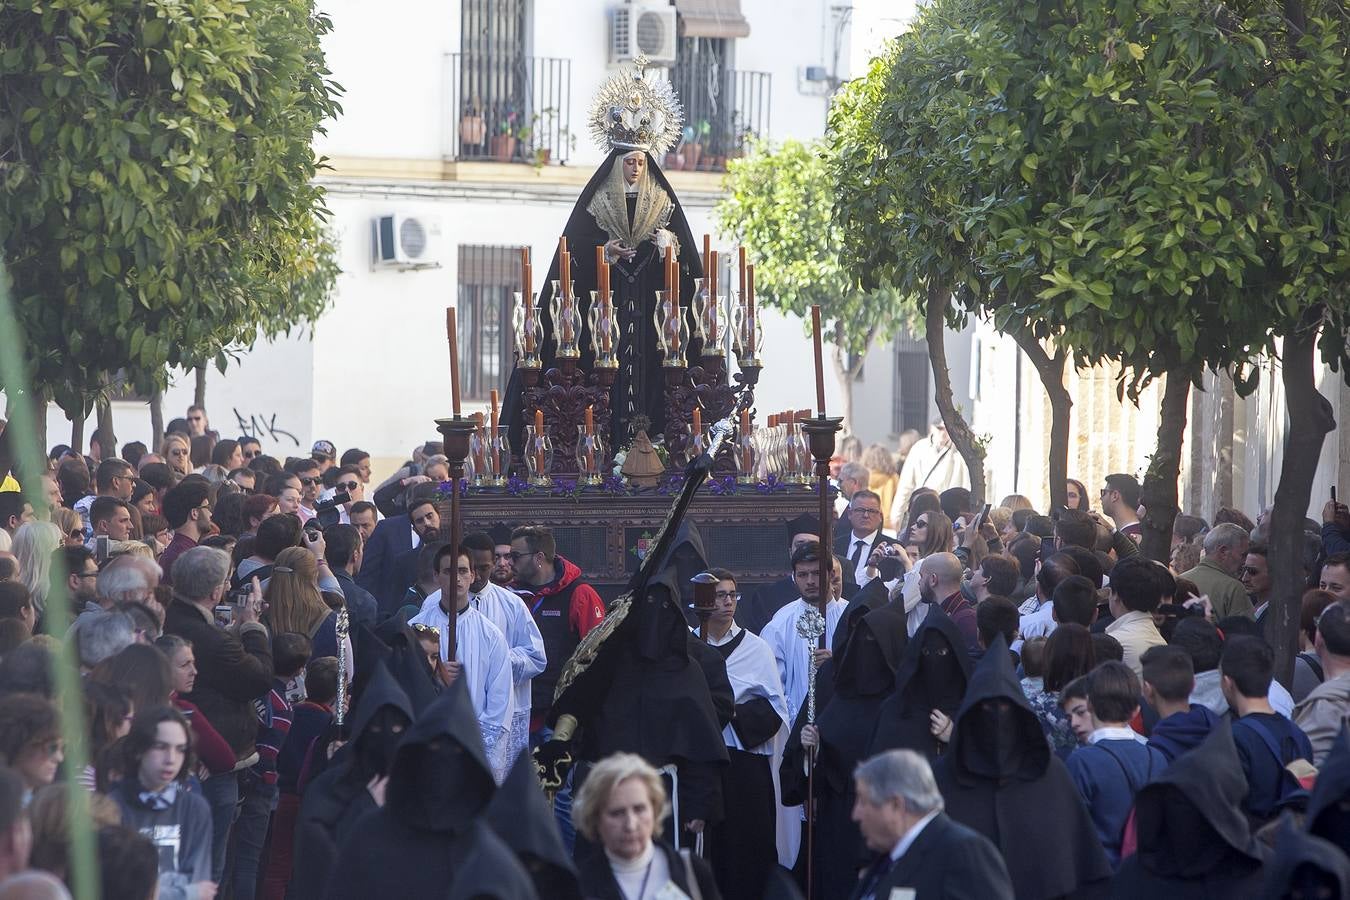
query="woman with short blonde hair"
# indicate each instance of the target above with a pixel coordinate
(177, 452)
(620, 806)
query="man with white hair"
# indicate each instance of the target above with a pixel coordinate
(1225, 551)
(922, 853)
(101, 635)
(127, 579)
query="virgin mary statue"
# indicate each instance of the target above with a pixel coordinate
(629, 208)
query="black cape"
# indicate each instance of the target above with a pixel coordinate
(634, 285)
(521, 816)
(927, 679)
(1328, 815)
(1193, 838)
(1305, 866)
(863, 679)
(337, 798)
(430, 838)
(1000, 778)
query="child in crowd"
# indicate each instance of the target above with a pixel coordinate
(155, 802)
(1169, 679)
(1115, 762)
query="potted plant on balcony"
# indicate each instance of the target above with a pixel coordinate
(472, 127)
(503, 145)
(694, 151)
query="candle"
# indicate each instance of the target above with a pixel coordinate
(740, 258)
(479, 457)
(790, 417)
(539, 443)
(606, 315)
(820, 367)
(698, 421)
(527, 297)
(712, 299)
(493, 426)
(750, 312)
(494, 414)
(746, 458)
(454, 359)
(590, 420)
(525, 271)
(564, 267)
(675, 307)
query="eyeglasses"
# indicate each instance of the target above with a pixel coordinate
(922, 523)
(865, 510)
(515, 555)
(309, 482)
(727, 595)
(348, 485)
(249, 454)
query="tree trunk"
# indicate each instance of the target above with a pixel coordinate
(107, 435)
(1051, 370)
(1160, 481)
(156, 419)
(76, 431)
(847, 374)
(963, 438)
(199, 390)
(1310, 420)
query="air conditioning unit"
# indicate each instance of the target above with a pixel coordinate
(642, 29)
(405, 242)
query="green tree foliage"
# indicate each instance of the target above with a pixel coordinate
(157, 202)
(777, 205)
(1160, 184)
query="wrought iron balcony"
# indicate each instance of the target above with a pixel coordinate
(723, 113)
(511, 108)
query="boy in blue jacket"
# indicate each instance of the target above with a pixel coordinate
(1169, 679)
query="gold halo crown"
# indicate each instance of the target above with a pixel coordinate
(634, 112)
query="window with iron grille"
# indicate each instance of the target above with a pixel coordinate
(910, 408)
(724, 109)
(489, 276)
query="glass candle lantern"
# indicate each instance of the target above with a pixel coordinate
(566, 322)
(529, 331)
(672, 331)
(538, 456)
(747, 458)
(604, 332)
(590, 456)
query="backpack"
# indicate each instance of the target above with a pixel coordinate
(1313, 663)
(1298, 776)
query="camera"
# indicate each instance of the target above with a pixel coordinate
(326, 512)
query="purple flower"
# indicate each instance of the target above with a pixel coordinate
(613, 484)
(564, 486)
(771, 485)
(724, 485)
(516, 486)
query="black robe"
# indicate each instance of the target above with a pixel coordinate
(520, 815)
(598, 881)
(1328, 813)
(1305, 863)
(1000, 778)
(430, 837)
(335, 799)
(927, 679)
(634, 285)
(861, 683)
(1194, 842)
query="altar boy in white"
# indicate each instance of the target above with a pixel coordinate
(480, 654)
(524, 643)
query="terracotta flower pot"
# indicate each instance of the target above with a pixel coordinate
(503, 146)
(472, 131)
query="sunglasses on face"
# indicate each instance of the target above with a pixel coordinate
(249, 454)
(348, 485)
(309, 482)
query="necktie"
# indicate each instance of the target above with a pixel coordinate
(857, 553)
(874, 875)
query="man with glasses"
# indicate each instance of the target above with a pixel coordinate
(187, 509)
(856, 544)
(563, 605)
(77, 568)
(348, 479)
(742, 845)
(1255, 577)
(310, 479)
(251, 447)
(112, 478)
(198, 423)
(247, 480)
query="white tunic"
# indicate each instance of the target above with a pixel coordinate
(753, 672)
(791, 652)
(524, 648)
(481, 649)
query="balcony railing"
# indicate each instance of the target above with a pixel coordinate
(510, 109)
(723, 112)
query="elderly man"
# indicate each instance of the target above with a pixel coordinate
(1225, 552)
(921, 853)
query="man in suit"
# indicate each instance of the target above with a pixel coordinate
(922, 853)
(389, 565)
(855, 545)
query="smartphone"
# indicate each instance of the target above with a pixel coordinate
(1333, 493)
(224, 614)
(982, 517)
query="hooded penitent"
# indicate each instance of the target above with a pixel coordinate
(430, 827)
(1193, 839)
(1305, 867)
(864, 677)
(932, 675)
(524, 820)
(1000, 778)
(1328, 813)
(336, 799)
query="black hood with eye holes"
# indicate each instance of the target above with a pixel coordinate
(995, 733)
(920, 687)
(441, 779)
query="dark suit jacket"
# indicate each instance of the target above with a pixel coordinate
(598, 882)
(947, 861)
(380, 570)
(843, 548)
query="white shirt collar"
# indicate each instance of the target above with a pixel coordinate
(1115, 734)
(866, 539)
(726, 638)
(902, 845)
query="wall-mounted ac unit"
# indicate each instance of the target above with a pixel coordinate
(405, 242)
(642, 29)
